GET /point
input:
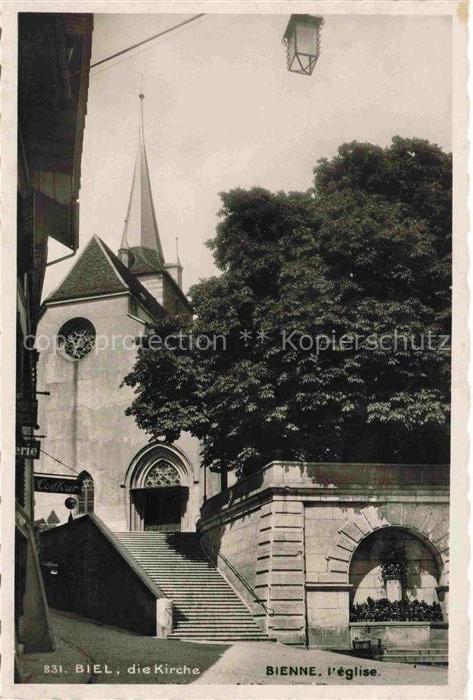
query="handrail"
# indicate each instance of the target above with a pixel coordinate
(210, 557)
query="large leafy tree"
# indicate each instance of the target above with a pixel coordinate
(335, 309)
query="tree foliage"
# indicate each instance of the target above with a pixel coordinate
(363, 255)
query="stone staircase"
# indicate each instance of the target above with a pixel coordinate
(206, 608)
(436, 654)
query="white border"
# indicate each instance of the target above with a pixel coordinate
(458, 617)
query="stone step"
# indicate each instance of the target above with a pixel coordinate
(164, 557)
(169, 548)
(215, 622)
(163, 565)
(149, 547)
(443, 646)
(245, 626)
(248, 624)
(182, 588)
(168, 553)
(184, 581)
(205, 606)
(202, 600)
(211, 594)
(154, 547)
(216, 594)
(417, 652)
(183, 575)
(175, 546)
(181, 579)
(219, 634)
(220, 603)
(212, 576)
(157, 534)
(146, 549)
(201, 604)
(213, 615)
(159, 557)
(219, 607)
(434, 655)
(220, 638)
(434, 660)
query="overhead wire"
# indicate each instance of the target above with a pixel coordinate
(138, 53)
(160, 34)
(59, 461)
(99, 63)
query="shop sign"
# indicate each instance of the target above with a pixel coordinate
(56, 484)
(29, 448)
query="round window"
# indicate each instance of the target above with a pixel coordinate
(77, 338)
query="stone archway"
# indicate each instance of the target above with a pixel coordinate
(157, 483)
(420, 566)
(425, 522)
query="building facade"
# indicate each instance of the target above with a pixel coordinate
(301, 546)
(89, 329)
(53, 74)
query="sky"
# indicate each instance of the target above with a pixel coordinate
(222, 111)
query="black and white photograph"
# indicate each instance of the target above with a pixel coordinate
(235, 459)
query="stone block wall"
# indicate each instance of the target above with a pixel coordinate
(343, 545)
(327, 593)
(322, 524)
(280, 569)
(235, 538)
(95, 578)
(328, 616)
(294, 530)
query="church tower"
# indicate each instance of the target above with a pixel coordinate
(88, 332)
(140, 249)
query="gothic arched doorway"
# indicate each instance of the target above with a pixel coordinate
(158, 489)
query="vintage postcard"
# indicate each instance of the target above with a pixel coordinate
(234, 255)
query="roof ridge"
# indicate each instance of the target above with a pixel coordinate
(66, 274)
(69, 291)
(106, 251)
(139, 292)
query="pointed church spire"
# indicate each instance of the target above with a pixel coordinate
(177, 252)
(141, 227)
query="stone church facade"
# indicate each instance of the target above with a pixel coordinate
(298, 544)
(86, 339)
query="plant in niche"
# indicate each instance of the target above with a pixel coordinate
(384, 610)
(393, 565)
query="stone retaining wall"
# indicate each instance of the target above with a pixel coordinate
(95, 577)
(292, 529)
(401, 634)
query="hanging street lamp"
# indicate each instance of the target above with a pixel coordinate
(302, 40)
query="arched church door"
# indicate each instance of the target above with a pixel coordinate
(161, 499)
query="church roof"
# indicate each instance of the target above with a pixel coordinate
(98, 272)
(145, 260)
(141, 227)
